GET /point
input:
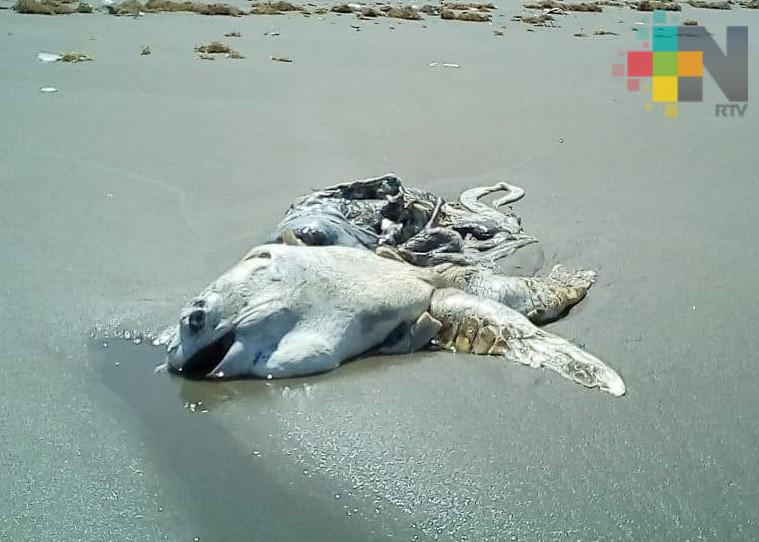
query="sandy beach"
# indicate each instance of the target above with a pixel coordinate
(145, 176)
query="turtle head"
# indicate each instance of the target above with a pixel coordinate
(209, 324)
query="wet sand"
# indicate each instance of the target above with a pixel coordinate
(144, 177)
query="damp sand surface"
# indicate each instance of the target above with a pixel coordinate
(144, 176)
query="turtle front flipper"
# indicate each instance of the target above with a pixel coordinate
(483, 326)
(541, 299)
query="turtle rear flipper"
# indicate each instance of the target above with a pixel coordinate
(541, 299)
(483, 326)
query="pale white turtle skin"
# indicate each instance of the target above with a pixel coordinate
(288, 311)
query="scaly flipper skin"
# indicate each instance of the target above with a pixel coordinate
(483, 326)
(541, 299)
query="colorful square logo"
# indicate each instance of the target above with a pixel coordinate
(670, 62)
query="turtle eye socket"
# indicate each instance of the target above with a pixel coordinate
(196, 320)
(312, 236)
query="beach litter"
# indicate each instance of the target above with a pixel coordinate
(233, 34)
(48, 90)
(444, 65)
(145, 50)
(281, 59)
(49, 57)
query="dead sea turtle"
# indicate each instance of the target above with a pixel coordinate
(288, 310)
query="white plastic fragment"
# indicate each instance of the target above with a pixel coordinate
(48, 57)
(48, 90)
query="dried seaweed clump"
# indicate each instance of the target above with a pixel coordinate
(708, 4)
(405, 12)
(429, 9)
(192, 7)
(46, 7)
(207, 52)
(537, 20)
(367, 11)
(474, 16)
(458, 6)
(274, 8)
(552, 4)
(341, 8)
(655, 5)
(74, 57)
(129, 7)
(215, 47)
